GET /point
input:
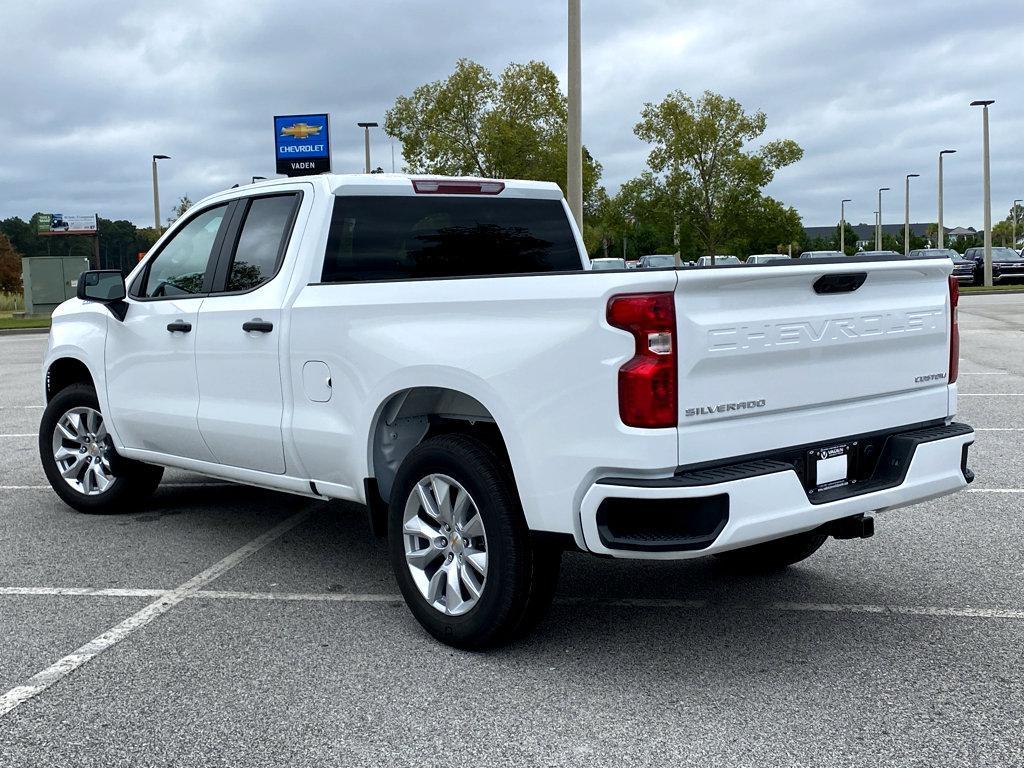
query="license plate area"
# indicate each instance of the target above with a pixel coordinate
(830, 467)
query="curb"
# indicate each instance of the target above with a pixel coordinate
(1011, 292)
(18, 331)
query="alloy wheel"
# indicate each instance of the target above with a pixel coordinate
(81, 449)
(445, 544)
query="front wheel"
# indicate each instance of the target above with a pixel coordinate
(460, 548)
(79, 460)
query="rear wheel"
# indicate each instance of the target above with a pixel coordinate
(776, 554)
(460, 548)
(79, 459)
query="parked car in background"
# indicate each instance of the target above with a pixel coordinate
(720, 259)
(655, 261)
(631, 264)
(1007, 264)
(765, 258)
(963, 268)
(607, 264)
(888, 254)
(822, 255)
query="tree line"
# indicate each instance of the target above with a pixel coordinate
(702, 190)
(120, 243)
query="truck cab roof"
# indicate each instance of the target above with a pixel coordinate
(412, 184)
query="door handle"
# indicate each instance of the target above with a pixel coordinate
(179, 325)
(256, 324)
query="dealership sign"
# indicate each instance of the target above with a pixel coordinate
(302, 144)
(64, 224)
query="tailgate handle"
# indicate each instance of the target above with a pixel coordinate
(843, 283)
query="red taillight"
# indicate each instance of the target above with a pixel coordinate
(439, 187)
(648, 381)
(954, 330)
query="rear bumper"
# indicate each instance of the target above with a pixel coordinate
(730, 506)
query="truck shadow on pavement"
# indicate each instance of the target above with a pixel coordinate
(333, 551)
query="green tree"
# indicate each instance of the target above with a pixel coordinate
(700, 150)
(472, 123)
(10, 267)
(183, 205)
(766, 226)
(22, 235)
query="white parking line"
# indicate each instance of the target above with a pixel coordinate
(328, 597)
(44, 679)
(18, 435)
(44, 486)
(988, 395)
(112, 592)
(996, 491)
(651, 603)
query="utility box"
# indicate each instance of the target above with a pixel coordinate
(49, 280)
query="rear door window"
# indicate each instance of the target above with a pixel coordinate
(395, 237)
(261, 241)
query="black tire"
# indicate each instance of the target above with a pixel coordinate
(547, 566)
(521, 575)
(776, 554)
(133, 482)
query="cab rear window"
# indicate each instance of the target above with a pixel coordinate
(397, 237)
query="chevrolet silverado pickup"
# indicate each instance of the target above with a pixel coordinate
(437, 350)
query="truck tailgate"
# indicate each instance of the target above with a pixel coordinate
(767, 361)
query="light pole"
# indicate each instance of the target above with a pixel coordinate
(366, 136)
(942, 233)
(156, 192)
(906, 215)
(574, 130)
(258, 179)
(1013, 211)
(987, 184)
(842, 224)
(878, 231)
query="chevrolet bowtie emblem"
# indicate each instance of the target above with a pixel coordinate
(300, 130)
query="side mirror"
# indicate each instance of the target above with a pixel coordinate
(101, 286)
(106, 286)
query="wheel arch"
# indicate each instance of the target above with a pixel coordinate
(64, 372)
(408, 417)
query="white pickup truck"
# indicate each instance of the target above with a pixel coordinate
(436, 349)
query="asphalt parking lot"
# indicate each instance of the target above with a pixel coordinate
(290, 646)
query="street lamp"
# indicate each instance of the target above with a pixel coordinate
(842, 224)
(906, 215)
(987, 184)
(258, 179)
(1013, 211)
(366, 129)
(878, 230)
(156, 192)
(942, 233)
(574, 130)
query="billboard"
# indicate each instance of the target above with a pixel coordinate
(302, 144)
(66, 224)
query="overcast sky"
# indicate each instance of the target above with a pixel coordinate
(870, 90)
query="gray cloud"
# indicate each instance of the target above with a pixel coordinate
(871, 90)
